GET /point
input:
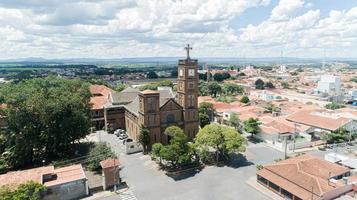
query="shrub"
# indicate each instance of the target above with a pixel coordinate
(100, 152)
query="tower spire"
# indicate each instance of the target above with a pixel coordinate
(188, 48)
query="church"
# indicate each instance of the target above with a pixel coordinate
(155, 109)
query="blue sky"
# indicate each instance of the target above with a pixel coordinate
(140, 28)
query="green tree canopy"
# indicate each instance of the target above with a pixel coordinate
(26, 191)
(178, 152)
(259, 84)
(269, 85)
(204, 119)
(245, 99)
(223, 139)
(334, 106)
(232, 89)
(100, 152)
(214, 88)
(207, 108)
(144, 137)
(152, 75)
(285, 85)
(251, 126)
(45, 117)
(271, 108)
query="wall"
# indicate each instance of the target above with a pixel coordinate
(68, 191)
(108, 177)
(132, 125)
(115, 117)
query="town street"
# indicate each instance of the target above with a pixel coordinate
(228, 182)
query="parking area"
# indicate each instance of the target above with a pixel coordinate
(227, 182)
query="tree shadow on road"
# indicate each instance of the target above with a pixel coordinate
(177, 176)
(237, 161)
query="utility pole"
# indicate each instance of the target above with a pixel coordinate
(286, 146)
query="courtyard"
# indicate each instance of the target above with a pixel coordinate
(212, 182)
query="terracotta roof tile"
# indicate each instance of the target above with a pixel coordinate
(109, 163)
(302, 174)
(319, 119)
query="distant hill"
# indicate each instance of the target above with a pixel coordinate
(39, 60)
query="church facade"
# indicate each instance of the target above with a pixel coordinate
(156, 110)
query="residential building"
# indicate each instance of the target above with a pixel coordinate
(322, 121)
(63, 183)
(329, 84)
(306, 177)
(98, 99)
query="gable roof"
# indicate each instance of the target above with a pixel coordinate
(303, 174)
(319, 119)
(124, 97)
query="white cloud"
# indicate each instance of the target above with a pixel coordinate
(125, 28)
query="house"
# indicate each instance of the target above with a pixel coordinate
(98, 99)
(63, 183)
(306, 177)
(323, 121)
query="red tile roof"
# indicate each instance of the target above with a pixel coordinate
(99, 96)
(109, 163)
(318, 119)
(100, 90)
(62, 175)
(303, 174)
(67, 175)
(15, 178)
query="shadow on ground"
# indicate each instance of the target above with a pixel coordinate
(177, 176)
(237, 161)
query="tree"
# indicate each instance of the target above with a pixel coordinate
(202, 88)
(334, 106)
(120, 87)
(269, 85)
(45, 117)
(245, 99)
(155, 150)
(204, 119)
(100, 152)
(222, 139)
(233, 120)
(338, 136)
(214, 88)
(144, 138)
(354, 79)
(232, 89)
(285, 85)
(218, 77)
(152, 75)
(271, 108)
(251, 126)
(259, 84)
(207, 108)
(178, 152)
(26, 191)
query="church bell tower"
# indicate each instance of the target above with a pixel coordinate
(187, 92)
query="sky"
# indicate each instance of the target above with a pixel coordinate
(161, 28)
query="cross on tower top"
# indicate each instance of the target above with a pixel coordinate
(188, 48)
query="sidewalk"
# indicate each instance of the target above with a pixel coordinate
(252, 181)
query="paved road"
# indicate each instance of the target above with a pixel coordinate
(228, 182)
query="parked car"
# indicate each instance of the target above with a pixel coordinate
(127, 140)
(123, 136)
(118, 132)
